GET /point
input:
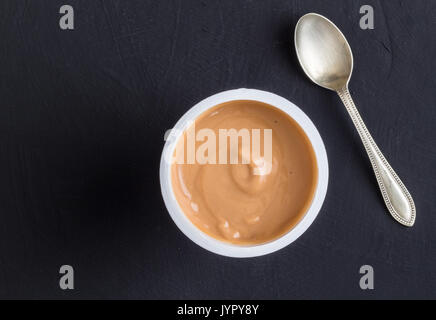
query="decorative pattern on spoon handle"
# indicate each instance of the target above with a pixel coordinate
(396, 196)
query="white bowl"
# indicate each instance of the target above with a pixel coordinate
(223, 248)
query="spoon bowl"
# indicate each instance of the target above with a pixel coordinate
(323, 52)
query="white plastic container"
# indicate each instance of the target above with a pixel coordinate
(223, 248)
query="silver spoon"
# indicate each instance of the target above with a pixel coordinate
(326, 58)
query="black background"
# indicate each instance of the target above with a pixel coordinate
(82, 119)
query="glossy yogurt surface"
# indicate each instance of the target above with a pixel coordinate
(251, 202)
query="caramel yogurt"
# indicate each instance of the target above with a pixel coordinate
(252, 200)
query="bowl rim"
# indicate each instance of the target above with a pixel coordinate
(220, 247)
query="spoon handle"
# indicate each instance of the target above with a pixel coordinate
(397, 199)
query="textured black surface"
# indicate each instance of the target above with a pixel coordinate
(82, 119)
